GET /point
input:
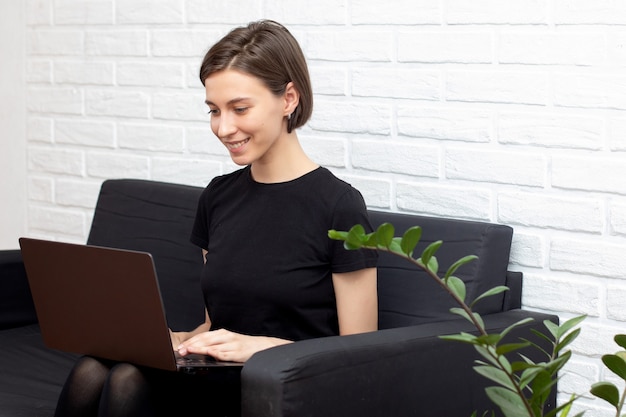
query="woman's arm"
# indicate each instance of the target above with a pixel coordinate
(357, 301)
(180, 337)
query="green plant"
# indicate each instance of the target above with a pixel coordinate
(607, 390)
(522, 386)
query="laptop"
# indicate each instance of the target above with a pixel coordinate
(106, 303)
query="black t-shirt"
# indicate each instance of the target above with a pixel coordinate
(270, 261)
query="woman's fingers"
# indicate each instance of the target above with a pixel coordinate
(224, 345)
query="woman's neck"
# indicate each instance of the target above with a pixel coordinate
(284, 163)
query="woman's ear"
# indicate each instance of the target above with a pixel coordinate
(292, 98)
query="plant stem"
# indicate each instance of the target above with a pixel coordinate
(475, 322)
(482, 331)
(621, 403)
(447, 289)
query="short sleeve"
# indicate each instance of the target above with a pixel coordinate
(200, 231)
(349, 211)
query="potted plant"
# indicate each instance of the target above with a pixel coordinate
(522, 386)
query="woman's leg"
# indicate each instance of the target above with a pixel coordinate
(142, 392)
(106, 389)
(110, 389)
(81, 393)
(127, 392)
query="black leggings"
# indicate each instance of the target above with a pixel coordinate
(102, 388)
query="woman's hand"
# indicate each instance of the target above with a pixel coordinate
(178, 338)
(225, 345)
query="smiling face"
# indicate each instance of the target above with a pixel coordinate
(246, 116)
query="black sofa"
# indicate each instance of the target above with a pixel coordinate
(403, 369)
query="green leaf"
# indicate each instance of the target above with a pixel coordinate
(542, 335)
(526, 364)
(525, 358)
(569, 338)
(558, 363)
(553, 328)
(479, 319)
(510, 347)
(489, 293)
(350, 246)
(337, 235)
(496, 375)
(459, 263)
(606, 391)
(457, 286)
(460, 312)
(461, 337)
(384, 234)
(620, 339)
(396, 248)
(509, 402)
(516, 324)
(430, 251)
(355, 237)
(410, 239)
(616, 364)
(433, 265)
(505, 364)
(528, 375)
(489, 339)
(568, 325)
(541, 385)
(371, 240)
(536, 346)
(488, 354)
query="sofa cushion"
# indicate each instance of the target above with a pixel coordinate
(408, 296)
(156, 217)
(32, 374)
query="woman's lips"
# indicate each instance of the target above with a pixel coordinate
(234, 146)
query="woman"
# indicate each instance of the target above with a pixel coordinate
(271, 274)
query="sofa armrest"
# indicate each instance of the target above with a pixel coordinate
(16, 302)
(398, 372)
(513, 297)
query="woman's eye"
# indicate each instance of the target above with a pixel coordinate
(213, 111)
(240, 110)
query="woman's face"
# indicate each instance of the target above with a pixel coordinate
(245, 116)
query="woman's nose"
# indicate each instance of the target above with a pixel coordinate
(225, 126)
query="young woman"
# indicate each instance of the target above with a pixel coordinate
(271, 275)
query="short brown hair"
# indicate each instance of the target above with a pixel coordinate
(268, 51)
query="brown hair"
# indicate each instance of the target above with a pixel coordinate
(267, 50)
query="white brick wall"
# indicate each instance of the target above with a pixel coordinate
(505, 111)
(12, 123)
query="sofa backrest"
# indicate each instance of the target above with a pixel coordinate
(156, 217)
(407, 296)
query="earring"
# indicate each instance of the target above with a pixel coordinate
(289, 116)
